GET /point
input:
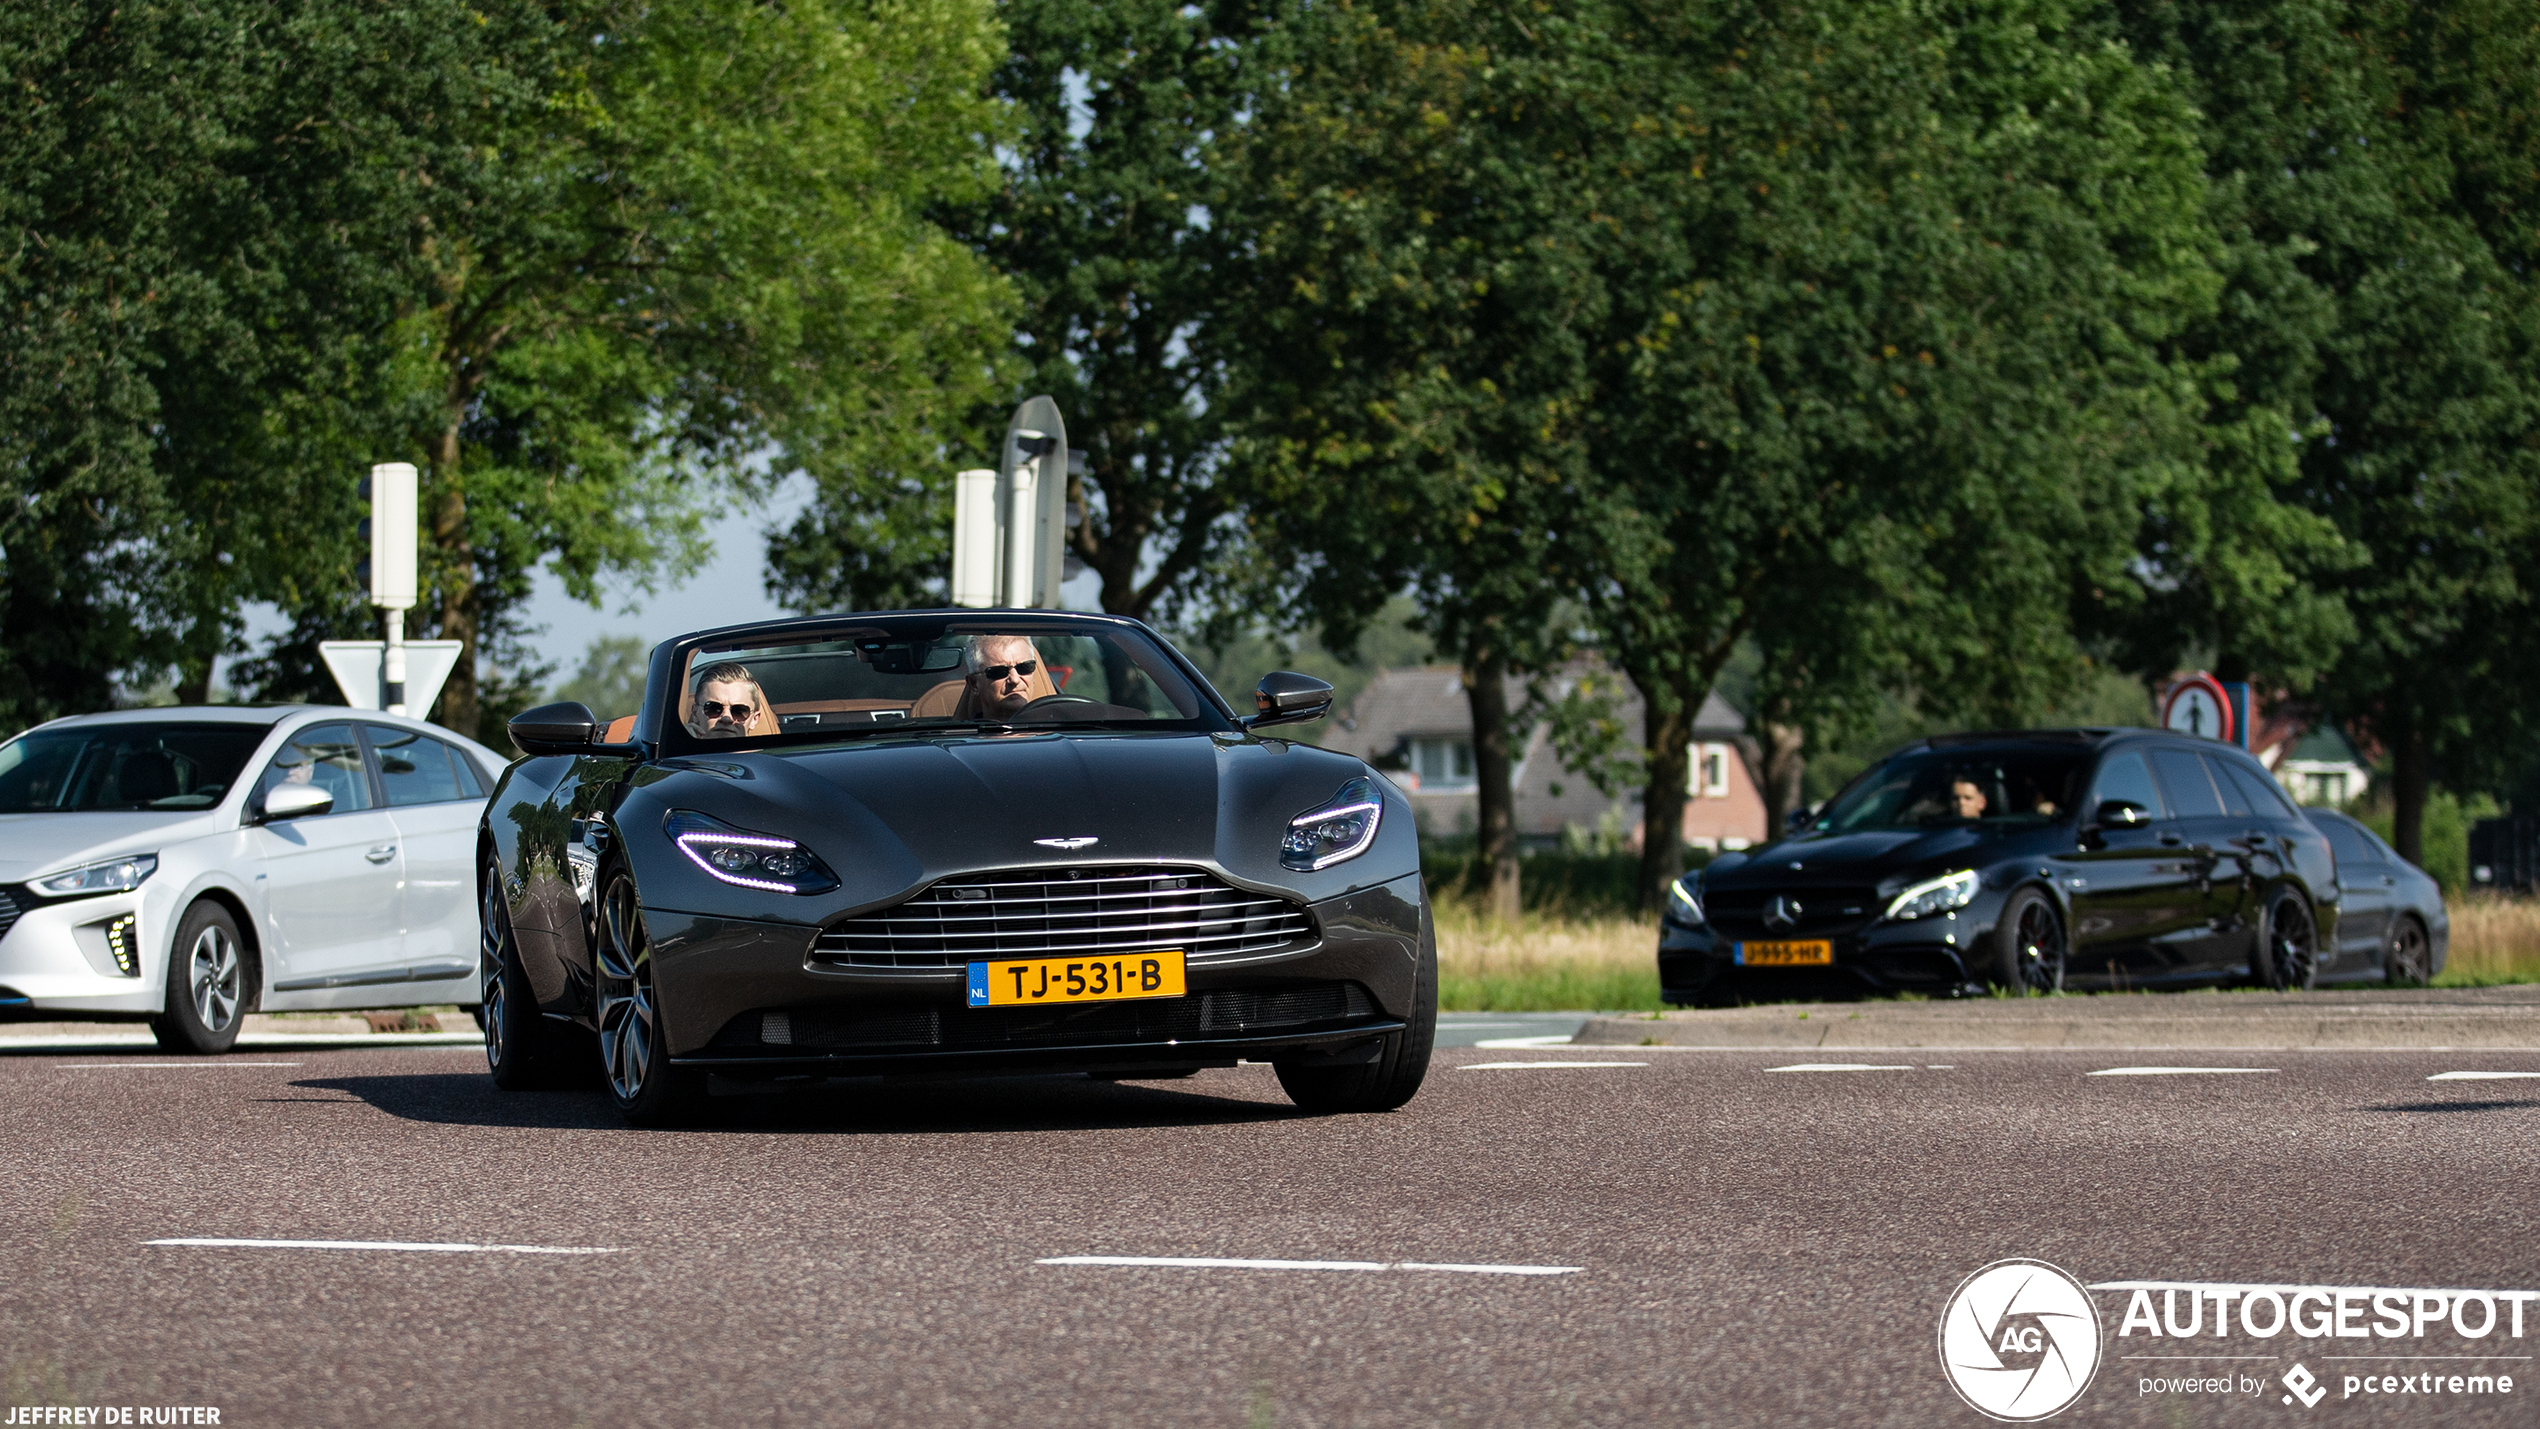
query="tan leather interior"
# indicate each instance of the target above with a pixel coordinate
(937, 703)
(620, 730)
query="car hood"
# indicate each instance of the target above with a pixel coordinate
(44, 843)
(1869, 857)
(890, 815)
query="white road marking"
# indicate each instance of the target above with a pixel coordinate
(154, 1066)
(1511, 1066)
(2479, 1076)
(1201, 1262)
(1513, 1043)
(1940, 1066)
(2175, 1071)
(441, 1246)
(1839, 1067)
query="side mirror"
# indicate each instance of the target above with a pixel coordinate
(2122, 814)
(1797, 819)
(1286, 697)
(568, 727)
(292, 801)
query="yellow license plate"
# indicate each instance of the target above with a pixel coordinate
(1034, 981)
(1785, 955)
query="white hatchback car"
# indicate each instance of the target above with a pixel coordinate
(192, 864)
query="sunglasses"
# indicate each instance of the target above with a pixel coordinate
(740, 713)
(999, 672)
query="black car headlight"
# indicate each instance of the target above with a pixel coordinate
(1335, 833)
(748, 860)
(1944, 894)
(114, 875)
(1684, 900)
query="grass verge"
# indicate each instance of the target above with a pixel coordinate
(2494, 940)
(1546, 963)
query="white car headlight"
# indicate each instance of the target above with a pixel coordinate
(1335, 833)
(114, 875)
(1684, 900)
(749, 860)
(1935, 895)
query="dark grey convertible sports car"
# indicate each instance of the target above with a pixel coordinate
(948, 841)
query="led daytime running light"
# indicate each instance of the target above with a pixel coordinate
(1944, 894)
(1335, 833)
(688, 845)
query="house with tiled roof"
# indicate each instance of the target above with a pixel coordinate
(1415, 723)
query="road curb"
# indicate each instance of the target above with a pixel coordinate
(2466, 1019)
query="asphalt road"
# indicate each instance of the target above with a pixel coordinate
(1750, 1246)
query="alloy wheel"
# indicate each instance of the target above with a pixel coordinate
(2292, 942)
(626, 992)
(493, 924)
(212, 974)
(2041, 948)
(2410, 961)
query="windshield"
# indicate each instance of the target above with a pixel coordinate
(156, 767)
(1928, 788)
(915, 674)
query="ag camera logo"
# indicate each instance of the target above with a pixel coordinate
(2019, 1341)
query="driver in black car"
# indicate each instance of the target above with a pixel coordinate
(999, 682)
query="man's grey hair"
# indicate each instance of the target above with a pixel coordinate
(974, 658)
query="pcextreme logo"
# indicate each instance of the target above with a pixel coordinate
(2020, 1340)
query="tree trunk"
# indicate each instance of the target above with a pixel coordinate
(1785, 766)
(1486, 690)
(2411, 779)
(1667, 733)
(456, 577)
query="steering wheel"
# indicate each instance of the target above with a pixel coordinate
(1054, 701)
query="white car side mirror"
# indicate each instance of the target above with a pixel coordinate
(291, 801)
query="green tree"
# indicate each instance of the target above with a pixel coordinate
(701, 261)
(1413, 350)
(1889, 379)
(610, 680)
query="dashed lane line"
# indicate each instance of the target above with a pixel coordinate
(441, 1247)
(2176, 1071)
(2480, 1076)
(156, 1066)
(1201, 1262)
(1513, 1066)
(1842, 1067)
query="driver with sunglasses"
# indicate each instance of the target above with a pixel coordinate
(999, 683)
(729, 703)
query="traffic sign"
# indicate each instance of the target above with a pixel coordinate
(2198, 705)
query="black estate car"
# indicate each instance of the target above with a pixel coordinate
(930, 842)
(2029, 861)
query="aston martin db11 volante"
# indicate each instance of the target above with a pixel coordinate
(2025, 861)
(953, 841)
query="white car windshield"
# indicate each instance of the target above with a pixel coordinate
(160, 768)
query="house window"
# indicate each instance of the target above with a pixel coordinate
(1709, 777)
(1443, 763)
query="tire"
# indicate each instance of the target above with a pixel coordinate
(525, 1050)
(2407, 959)
(1401, 1064)
(634, 1051)
(208, 988)
(2029, 949)
(2287, 957)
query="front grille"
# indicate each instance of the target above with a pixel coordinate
(1231, 1012)
(1056, 912)
(8, 912)
(1821, 910)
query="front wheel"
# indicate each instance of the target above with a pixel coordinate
(2409, 959)
(634, 1053)
(2288, 957)
(2028, 946)
(207, 984)
(1400, 1065)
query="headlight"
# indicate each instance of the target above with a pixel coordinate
(1935, 895)
(1684, 900)
(115, 875)
(748, 860)
(1340, 830)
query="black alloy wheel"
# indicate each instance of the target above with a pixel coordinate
(2288, 957)
(1401, 1062)
(634, 1055)
(2028, 946)
(208, 990)
(2408, 959)
(525, 1050)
